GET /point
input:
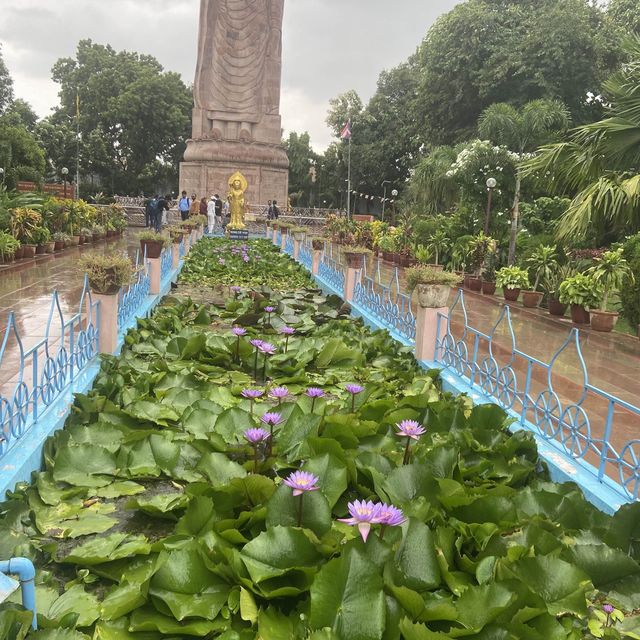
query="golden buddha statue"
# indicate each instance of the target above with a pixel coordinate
(237, 186)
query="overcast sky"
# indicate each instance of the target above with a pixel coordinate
(330, 46)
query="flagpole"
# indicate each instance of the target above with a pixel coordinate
(349, 183)
(77, 194)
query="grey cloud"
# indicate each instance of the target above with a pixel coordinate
(330, 46)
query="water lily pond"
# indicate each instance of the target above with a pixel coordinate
(259, 464)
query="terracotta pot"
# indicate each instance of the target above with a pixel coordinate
(511, 295)
(41, 249)
(154, 248)
(603, 320)
(436, 267)
(531, 299)
(318, 245)
(433, 296)
(387, 256)
(488, 288)
(475, 284)
(579, 315)
(81, 239)
(50, 247)
(29, 250)
(556, 308)
(19, 254)
(58, 245)
(354, 260)
(75, 241)
(465, 281)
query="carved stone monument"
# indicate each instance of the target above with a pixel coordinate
(236, 119)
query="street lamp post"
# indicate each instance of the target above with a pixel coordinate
(384, 195)
(65, 173)
(2, 176)
(491, 185)
(394, 193)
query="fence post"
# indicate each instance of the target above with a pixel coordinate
(274, 239)
(315, 264)
(427, 331)
(296, 248)
(155, 273)
(175, 255)
(283, 239)
(107, 321)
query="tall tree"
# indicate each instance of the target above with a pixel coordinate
(141, 112)
(600, 162)
(303, 168)
(6, 85)
(522, 131)
(513, 51)
(626, 14)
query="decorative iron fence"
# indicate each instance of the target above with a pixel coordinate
(582, 421)
(305, 256)
(332, 273)
(288, 245)
(387, 303)
(48, 368)
(131, 299)
(166, 264)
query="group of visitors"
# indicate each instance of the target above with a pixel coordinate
(155, 212)
(272, 211)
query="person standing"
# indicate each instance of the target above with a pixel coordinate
(184, 206)
(203, 207)
(194, 208)
(150, 212)
(211, 215)
(162, 207)
(219, 208)
(226, 215)
(274, 210)
(268, 212)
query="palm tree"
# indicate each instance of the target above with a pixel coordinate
(600, 161)
(522, 131)
(430, 187)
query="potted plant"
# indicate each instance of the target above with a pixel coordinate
(480, 247)
(107, 272)
(153, 243)
(100, 232)
(23, 222)
(59, 239)
(298, 233)
(387, 246)
(438, 244)
(355, 256)
(8, 246)
(433, 285)
(176, 234)
(41, 237)
(582, 292)
(611, 271)
(541, 263)
(551, 285)
(512, 280)
(489, 275)
(318, 244)
(423, 255)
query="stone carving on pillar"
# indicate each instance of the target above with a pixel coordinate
(236, 117)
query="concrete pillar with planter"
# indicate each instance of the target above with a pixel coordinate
(108, 321)
(298, 238)
(155, 275)
(315, 262)
(355, 266)
(274, 238)
(175, 255)
(433, 302)
(283, 238)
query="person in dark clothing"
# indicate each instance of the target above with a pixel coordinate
(161, 207)
(150, 212)
(218, 205)
(203, 206)
(184, 205)
(275, 210)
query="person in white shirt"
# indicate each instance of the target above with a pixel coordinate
(211, 215)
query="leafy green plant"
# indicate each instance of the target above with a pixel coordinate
(630, 295)
(582, 290)
(480, 247)
(512, 278)
(612, 272)
(387, 243)
(23, 222)
(153, 236)
(557, 275)
(107, 272)
(423, 254)
(61, 236)
(423, 274)
(542, 264)
(438, 244)
(8, 245)
(39, 236)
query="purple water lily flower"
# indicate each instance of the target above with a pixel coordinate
(245, 258)
(354, 390)
(363, 515)
(390, 516)
(411, 430)
(267, 348)
(256, 343)
(269, 309)
(301, 481)
(236, 289)
(256, 435)
(272, 419)
(252, 394)
(608, 608)
(279, 393)
(314, 393)
(287, 332)
(239, 331)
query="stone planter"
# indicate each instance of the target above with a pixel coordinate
(603, 320)
(436, 267)
(75, 241)
(50, 247)
(354, 260)
(81, 239)
(29, 250)
(511, 295)
(556, 308)
(579, 315)
(41, 249)
(298, 236)
(475, 284)
(433, 296)
(153, 247)
(58, 245)
(19, 254)
(488, 288)
(531, 299)
(387, 256)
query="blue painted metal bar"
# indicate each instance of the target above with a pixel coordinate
(132, 298)
(288, 245)
(305, 256)
(578, 418)
(166, 264)
(332, 274)
(24, 569)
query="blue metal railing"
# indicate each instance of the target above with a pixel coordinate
(166, 264)
(45, 370)
(288, 245)
(279, 238)
(582, 421)
(131, 299)
(305, 256)
(332, 274)
(386, 303)
(183, 249)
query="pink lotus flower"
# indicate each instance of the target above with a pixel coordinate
(301, 481)
(363, 515)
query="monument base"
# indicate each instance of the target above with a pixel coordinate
(209, 164)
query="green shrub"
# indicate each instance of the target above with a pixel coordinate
(630, 295)
(582, 290)
(512, 278)
(423, 274)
